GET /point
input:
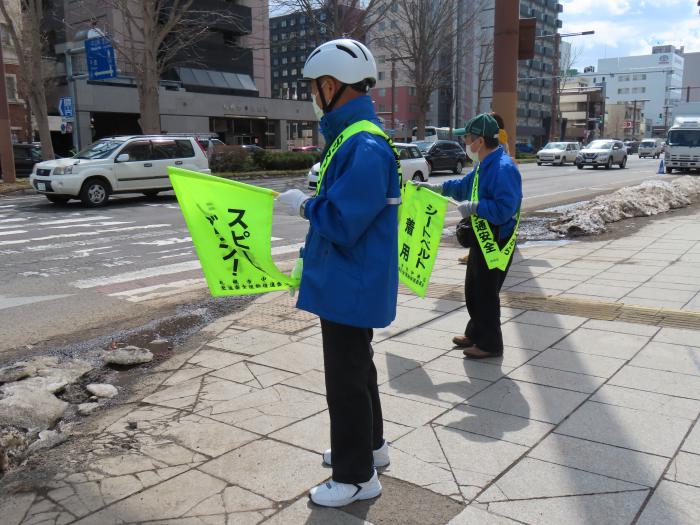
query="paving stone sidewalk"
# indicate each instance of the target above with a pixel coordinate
(583, 420)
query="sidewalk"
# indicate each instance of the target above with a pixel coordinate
(590, 417)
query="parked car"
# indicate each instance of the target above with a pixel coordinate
(122, 164)
(602, 152)
(413, 165)
(651, 148)
(558, 153)
(443, 155)
(26, 155)
(307, 149)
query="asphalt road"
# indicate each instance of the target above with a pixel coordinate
(69, 273)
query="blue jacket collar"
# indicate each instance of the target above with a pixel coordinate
(334, 122)
(494, 156)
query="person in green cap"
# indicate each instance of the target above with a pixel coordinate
(490, 195)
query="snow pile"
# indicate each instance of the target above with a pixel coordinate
(648, 198)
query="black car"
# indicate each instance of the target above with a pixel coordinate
(26, 155)
(443, 155)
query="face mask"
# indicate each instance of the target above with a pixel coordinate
(317, 110)
(473, 155)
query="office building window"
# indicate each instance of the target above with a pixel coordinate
(284, 60)
(284, 72)
(293, 73)
(380, 75)
(11, 84)
(283, 23)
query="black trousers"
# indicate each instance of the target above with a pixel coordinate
(481, 290)
(353, 400)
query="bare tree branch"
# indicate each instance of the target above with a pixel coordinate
(27, 39)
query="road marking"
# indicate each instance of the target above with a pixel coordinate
(279, 250)
(11, 302)
(13, 232)
(90, 225)
(158, 291)
(85, 234)
(164, 242)
(68, 221)
(136, 275)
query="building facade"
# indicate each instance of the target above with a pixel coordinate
(220, 85)
(581, 105)
(536, 85)
(20, 117)
(690, 91)
(654, 82)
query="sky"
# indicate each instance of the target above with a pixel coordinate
(628, 27)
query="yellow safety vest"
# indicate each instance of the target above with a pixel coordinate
(354, 129)
(495, 257)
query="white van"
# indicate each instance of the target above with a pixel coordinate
(128, 164)
(651, 148)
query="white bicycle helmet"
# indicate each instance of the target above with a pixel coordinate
(347, 60)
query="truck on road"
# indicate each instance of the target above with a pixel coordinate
(683, 142)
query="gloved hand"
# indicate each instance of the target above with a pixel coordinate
(467, 208)
(437, 188)
(291, 201)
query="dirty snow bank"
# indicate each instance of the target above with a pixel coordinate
(648, 198)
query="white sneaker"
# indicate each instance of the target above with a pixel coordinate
(334, 494)
(381, 456)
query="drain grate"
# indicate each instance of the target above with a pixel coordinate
(592, 309)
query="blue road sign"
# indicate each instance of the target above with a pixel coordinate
(100, 59)
(65, 106)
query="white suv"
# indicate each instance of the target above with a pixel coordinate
(413, 165)
(557, 153)
(128, 164)
(651, 148)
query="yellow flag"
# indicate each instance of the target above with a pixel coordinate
(231, 227)
(420, 229)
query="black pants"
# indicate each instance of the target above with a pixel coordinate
(353, 400)
(481, 290)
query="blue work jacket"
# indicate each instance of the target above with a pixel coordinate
(350, 273)
(500, 190)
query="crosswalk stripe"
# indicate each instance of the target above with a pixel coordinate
(136, 275)
(84, 234)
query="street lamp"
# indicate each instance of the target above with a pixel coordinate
(393, 60)
(555, 83)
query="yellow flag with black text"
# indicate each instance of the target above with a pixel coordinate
(420, 230)
(231, 227)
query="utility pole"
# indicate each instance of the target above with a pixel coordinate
(7, 157)
(506, 29)
(555, 89)
(393, 60)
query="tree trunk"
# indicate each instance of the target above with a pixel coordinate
(37, 96)
(149, 98)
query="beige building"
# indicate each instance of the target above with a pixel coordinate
(624, 121)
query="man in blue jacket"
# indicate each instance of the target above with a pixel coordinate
(493, 210)
(350, 262)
